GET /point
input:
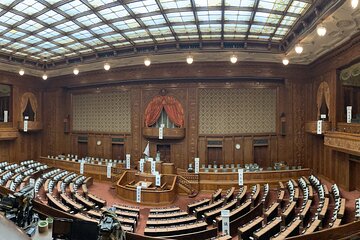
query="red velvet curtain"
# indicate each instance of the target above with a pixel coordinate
(153, 110)
(175, 111)
(172, 107)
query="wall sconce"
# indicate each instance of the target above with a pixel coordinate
(282, 124)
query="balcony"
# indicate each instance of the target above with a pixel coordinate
(168, 133)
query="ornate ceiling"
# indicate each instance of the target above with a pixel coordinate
(52, 35)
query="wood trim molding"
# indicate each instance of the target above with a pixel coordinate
(343, 142)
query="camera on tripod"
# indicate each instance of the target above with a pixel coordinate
(18, 207)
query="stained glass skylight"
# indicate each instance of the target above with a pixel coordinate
(51, 29)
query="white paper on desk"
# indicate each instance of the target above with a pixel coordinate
(319, 127)
(108, 170)
(197, 165)
(127, 161)
(138, 194)
(6, 116)
(142, 162)
(241, 176)
(153, 167)
(157, 179)
(82, 168)
(225, 215)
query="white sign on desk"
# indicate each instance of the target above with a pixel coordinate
(157, 179)
(138, 194)
(26, 119)
(225, 216)
(197, 165)
(82, 167)
(153, 167)
(143, 184)
(108, 170)
(161, 133)
(348, 114)
(6, 116)
(142, 162)
(319, 127)
(127, 161)
(241, 176)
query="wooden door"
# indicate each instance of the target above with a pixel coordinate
(214, 156)
(82, 149)
(165, 152)
(261, 156)
(118, 151)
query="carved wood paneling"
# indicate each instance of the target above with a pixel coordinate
(299, 124)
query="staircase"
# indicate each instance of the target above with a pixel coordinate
(185, 185)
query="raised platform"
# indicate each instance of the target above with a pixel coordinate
(150, 195)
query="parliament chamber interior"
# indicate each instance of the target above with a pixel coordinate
(179, 119)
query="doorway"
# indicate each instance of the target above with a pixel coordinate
(118, 151)
(214, 155)
(261, 156)
(165, 152)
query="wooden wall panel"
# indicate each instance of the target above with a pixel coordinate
(228, 149)
(248, 150)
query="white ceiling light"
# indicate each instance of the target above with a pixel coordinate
(107, 66)
(21, 72)
(298, 48)
(354, 3)
(285, 61)
(147, 62)
(44, 76)
(76, 71)
(189, 59)
(321, 30)
(233, 59)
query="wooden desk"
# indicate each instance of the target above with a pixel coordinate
(306, 211)
(165, 210)
(143, 184)
(230, 195)
(175, 230)
(314, 226)
(296, 185)
(324, 208)
(127, 208)
(174, 221)
(306, 180)
(246, 231)
(127, 214)
(191, 207)
(336, 223)
(97, 200)
(71, 203)
(84, 201)
(237, 212)
(201, 210)
(86, 218)
(326, 190)
(290, 231)
(281, 185)
(46, 185)
(289, 213)
(241, 197)
(296, 194)
(210, 216)
(342, 208)
(167, 215)
(311, 192)
(53, 202)
(269, 230)
(84, 189)
(216, 195)
(271, 212)
(256, 194)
